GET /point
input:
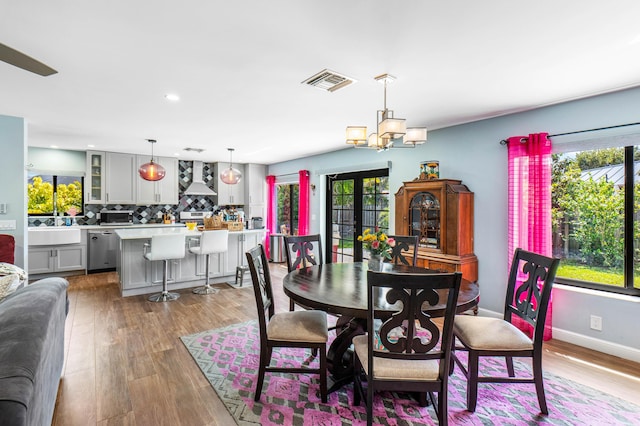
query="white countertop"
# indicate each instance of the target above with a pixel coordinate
(137, 225)
(147, 232)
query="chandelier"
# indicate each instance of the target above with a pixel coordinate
(151, 171)
(388, 128)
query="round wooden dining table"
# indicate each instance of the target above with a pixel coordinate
(341, 289)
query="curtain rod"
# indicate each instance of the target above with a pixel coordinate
(287, 174)
(504, 142)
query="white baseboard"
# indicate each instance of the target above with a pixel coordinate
(487, 313)
(615, 349)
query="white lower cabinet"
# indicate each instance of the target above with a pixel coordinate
(193, 266)
(50, 259)
(174, 266)
(133, 269)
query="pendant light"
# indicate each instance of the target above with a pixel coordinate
(151, 171)
(231, 176)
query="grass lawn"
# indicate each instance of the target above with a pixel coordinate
(593, 274)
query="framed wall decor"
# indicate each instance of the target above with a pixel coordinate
(430, 170)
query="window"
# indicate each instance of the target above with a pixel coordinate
(595, 208)
(287, 208)
(44, 189)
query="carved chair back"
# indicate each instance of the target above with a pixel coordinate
(529, 289)
(261, 278)
(303, 251)
(405, 244)
(411, 332)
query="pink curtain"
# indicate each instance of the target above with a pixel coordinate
(303, 203)
(530, 202)
(271, 210)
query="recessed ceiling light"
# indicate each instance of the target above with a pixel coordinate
(176, 154)
(91, 146)
(53, 146)
(172, 97)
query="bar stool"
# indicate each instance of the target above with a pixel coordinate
(211, 242)
(165, 247)
(240, 270)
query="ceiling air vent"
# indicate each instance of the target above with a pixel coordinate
(198, 150)
(329, 81)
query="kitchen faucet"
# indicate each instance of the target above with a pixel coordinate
(56, 220)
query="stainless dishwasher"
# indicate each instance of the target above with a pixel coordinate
(103, 249)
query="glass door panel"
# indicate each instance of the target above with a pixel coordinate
(357, 201)
(342, 220)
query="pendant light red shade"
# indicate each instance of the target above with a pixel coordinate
(151, 171)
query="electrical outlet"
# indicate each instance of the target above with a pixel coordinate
(596, 322)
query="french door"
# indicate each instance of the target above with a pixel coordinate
(355, 201)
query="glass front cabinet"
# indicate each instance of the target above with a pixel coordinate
(94, 182)
(440, 213)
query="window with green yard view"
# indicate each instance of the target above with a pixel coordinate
(43, 189)
(595, 205)
(287, 208)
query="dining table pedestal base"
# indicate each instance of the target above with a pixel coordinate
(340, 356)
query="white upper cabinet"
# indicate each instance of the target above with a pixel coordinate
(255, 190)
(255, 183)
(164, 191)
(112, 178)
(120, 185)
(230, 194)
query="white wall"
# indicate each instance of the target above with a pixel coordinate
(13, 145)
(472, 153)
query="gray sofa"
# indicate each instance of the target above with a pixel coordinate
(32, 351)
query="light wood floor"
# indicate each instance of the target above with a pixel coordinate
(125, 364)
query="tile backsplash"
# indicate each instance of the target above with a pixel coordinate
(148, 214)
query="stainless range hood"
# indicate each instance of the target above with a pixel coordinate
(198, 187)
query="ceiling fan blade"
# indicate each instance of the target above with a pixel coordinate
(20, 60)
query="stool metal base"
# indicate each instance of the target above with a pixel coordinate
(207, 289)
(165, 296)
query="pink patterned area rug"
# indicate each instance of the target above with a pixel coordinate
(229, 356)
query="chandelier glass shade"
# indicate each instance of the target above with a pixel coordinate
(151, 171)
(231, 176)
(389, 129)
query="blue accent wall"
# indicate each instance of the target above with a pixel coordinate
(13, 144)
(472, 152)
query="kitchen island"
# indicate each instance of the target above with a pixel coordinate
(140, 276)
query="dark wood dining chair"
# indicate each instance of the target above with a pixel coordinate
(528, 292)
(298, 329)
(302, 251)
(405, 251)
(399, 355)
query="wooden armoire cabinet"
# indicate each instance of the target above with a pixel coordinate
(440, 213)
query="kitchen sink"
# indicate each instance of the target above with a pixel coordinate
(52, 236)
